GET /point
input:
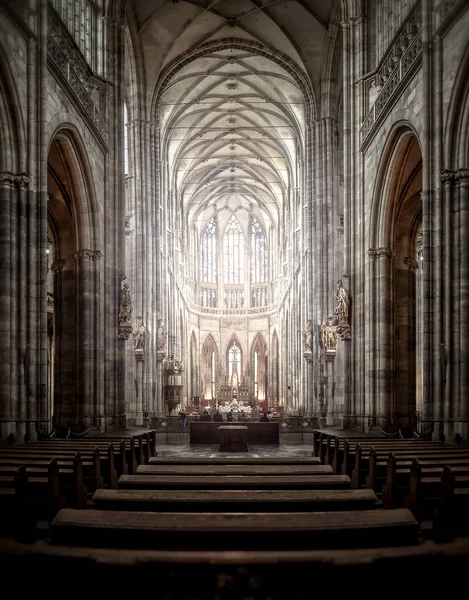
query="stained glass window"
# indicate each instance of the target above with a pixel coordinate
(233, 248)
(234, 362)
(258, 253)
(209, 253)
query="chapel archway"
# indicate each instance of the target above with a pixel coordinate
(72, 310)
(397, 263)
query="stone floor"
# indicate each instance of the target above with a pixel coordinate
(184, 448)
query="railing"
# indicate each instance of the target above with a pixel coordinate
(66, 70)
(394, 67)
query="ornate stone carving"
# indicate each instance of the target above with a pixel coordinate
(125, 312)
(66, 67)
(50, 301)
(394, 68)
(463, 176)
(125, 304)
(308, 341)
(329, 337)
(160, 338)
(57, 266)
(342, 305)
(381, 253)
(10, 179)
(89, 255)
(411, 263)
(139, 339)
(448, 176)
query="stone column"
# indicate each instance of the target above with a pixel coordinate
(450, 292)
(88, 333)
(462, 413)
(381, 297)
(65, 363)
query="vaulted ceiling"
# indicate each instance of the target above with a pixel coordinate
(229, 81)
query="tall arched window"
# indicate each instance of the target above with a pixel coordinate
(258, 265)
(234, 363)
(233, 248)
(258, 253)
(126, 142)
(213, 375)
(208, 265)
(256, 376)
(209, 253)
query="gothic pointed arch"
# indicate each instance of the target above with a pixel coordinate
(275, 374)
(194, 367)
(12, 132)
(74, 324)
(210, 361)
(396, 282)
(259, 370)
(456, 144)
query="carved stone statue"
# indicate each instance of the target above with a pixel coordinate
(139, 334)
(329, 334)
(342, 304)
(308, 337)
(125, 306)
(160, 337)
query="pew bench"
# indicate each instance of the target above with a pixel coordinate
(125, 455)
(98, 468)
(234, 531)
(234, 460)
(378, 469)
(452, 514)
(228, 482)
(234, 500)
(416, 484)
(248, 573)
(244, 469)
(425, 493)
(360, 471)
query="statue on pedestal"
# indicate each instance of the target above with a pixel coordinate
(125, 312)
(308, 337)
(342, 304)
(139, 339)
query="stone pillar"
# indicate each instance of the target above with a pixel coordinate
(382, 348)
(88, 333)
(65, 348)
(462, 413)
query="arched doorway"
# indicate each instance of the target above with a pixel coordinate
(73, 324)
(396, 292)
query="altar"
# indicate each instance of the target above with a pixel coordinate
(233, 438)
(206, 432)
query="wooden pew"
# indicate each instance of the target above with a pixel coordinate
(228, 482)
(51, 486)
(360, 470)
(234, 460)
(37, 494)
(234, 530)
(246, 469)
(340, 453)
(244, 573)
(418, 488)
(425, 487)
(377, 470)
(452, 514)
(149, 441)
(234, 500)
(92, 461)
(127, 450)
